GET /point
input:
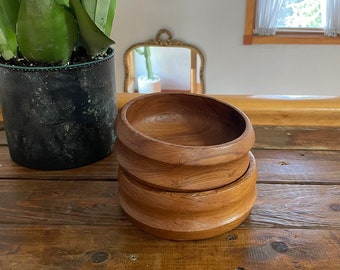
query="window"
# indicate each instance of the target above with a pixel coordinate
(296, 14)
(292, 22)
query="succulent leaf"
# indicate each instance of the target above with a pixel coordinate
(102, 12)
(9, 12)
(94, 40)
(8, 18)
(90, 7)
(46, 31)
(110, 17)
(5, 48)
(64, 2)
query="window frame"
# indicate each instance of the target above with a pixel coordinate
(282, 36)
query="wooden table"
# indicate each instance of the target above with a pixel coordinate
(72, 219)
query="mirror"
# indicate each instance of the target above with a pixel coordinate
(163, 64)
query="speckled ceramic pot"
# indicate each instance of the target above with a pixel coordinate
(59, 117)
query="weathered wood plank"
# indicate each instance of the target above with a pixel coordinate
(296, 206)
(60, 202)
(87, 247)
(96, 203)
(275, 166)
(298, 166)
(3, 140)
(308, 138)
(281, 137)
(105, 169)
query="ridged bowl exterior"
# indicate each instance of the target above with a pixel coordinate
(186, 171)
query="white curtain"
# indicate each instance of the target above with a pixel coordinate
(332, 26)
(266, 16)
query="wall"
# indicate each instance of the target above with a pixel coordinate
(216, 27)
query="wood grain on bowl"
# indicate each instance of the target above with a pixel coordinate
(188, 215)
(182, 128)
(185, 166)
(179, 177)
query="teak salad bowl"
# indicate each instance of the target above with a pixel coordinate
(188, 215)
(185, 166)
(183, 142)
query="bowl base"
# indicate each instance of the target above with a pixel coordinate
(188, 215)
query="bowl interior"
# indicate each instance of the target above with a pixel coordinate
(185, 119)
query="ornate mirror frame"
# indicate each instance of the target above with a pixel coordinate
(164, 38)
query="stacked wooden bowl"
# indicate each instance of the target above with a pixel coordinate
(185, 167)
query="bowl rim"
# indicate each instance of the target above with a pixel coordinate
(183, 154)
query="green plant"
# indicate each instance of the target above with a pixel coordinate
(147, 54)
(49, 31)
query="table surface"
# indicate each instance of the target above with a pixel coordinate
(72, 219)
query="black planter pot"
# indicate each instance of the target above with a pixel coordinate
(59, 117)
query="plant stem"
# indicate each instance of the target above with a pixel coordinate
(147, 55)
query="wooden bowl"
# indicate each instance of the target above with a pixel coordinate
(173, 177)
(188, 215)
(183, 142)
(183, 128)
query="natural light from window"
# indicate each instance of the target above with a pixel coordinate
(292, 22)
(300, 14)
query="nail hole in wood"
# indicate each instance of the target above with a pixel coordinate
(99, 257)
(335, 207)
(133, 257)
(231, 237)
(279, 247)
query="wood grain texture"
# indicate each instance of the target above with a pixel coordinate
(298, 166)
(48, 202)
(105, 169)
(306, 138)
(290, 206)
(274, 165)
(178, 177)
(73, 220)
(188, 215)
(79, 225)
(187, 129)
(3, 140)
(124, 247)
(280, 137)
